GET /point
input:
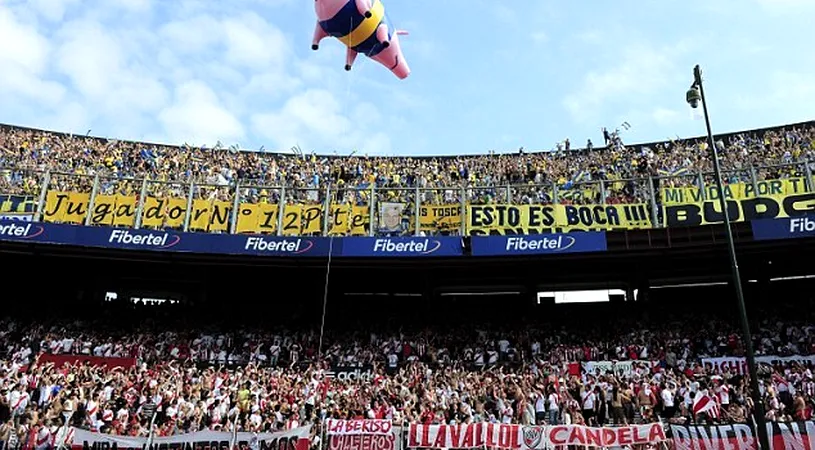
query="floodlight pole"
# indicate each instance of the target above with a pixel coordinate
(758, 404)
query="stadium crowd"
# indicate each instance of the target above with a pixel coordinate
(261, 379)
(34, 150)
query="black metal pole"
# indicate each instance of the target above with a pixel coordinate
(758, 404)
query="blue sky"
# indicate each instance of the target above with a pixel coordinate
(487, 75)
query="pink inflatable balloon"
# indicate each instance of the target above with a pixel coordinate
(362, 26)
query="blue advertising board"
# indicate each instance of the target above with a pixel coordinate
(787, 228)
(542, 244)
(160, 240)
(399, 247)
(230, 244)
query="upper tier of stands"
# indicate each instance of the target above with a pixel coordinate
(45, 150)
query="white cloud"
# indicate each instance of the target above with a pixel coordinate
(183, 71)
(52, 10)
(539, 37)
(665, 116)
(640, 72)
(252, 42)
(23, 46)
(316, 119)
(197, 117)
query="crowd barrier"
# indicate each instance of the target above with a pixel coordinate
(366, 210)
(72, 209)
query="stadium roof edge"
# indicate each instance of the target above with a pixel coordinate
(279, 153)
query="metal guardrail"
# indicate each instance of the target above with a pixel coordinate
(243, 207)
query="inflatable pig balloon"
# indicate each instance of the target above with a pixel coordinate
(362, 26)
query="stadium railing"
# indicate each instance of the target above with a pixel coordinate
(678, 199)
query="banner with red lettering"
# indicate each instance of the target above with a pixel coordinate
(738, 365)
(296, 439)
(783, 436)
(518, 437)
(604, 436)
(349, 427)
(362, 435)
(60, 360)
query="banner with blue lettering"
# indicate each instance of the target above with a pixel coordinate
(542, 244)
(398, 247)
(788, 228)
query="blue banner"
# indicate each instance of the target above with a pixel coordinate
(168, 241)
(398, 247)
(232, 244)
(788, 228)
(541, 244)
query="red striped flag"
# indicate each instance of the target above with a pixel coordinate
(704, 403)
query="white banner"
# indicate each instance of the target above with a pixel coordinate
(737, 364)
(22, 217)
(518, 437)
(617, 367)
(296, 439)
(353, 427)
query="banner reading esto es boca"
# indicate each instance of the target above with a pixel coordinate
(540, 219)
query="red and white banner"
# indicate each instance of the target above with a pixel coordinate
(782, 435)
(605, 436)
(518, 437)
(356, 427)
(363, 442)
(623, 368)
(738, 365)
(296, 439)
(110, 363)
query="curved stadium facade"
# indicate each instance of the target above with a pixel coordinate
(631, 213)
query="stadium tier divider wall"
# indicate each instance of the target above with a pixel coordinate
(677, 199)
(385, 435)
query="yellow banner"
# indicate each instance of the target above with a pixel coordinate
(534, 219)
(17, 204)
(210, 215)
(769, 207)
(736, 191)
(66, 207)
(114, 210)
(257, 218)
(440, 217)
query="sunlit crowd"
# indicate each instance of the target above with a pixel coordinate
(532, 173)
(211, 378)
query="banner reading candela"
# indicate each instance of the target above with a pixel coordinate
(519, 437)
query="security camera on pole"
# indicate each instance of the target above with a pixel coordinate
(694, 96)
